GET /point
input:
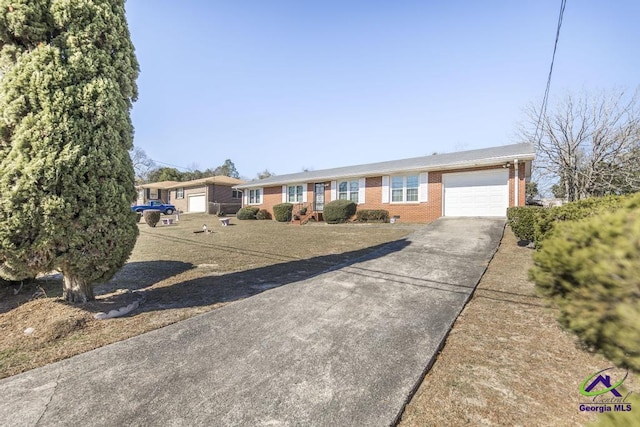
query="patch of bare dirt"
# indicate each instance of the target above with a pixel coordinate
(507, 361)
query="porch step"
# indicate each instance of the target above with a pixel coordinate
(316, 216)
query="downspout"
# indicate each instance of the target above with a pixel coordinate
(517, 182)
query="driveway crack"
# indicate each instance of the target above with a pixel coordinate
(46, 405)
(351, 292)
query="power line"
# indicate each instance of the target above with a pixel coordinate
(545, 99)
(169, 164)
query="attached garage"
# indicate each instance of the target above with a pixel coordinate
(197, 203)
(480, 193)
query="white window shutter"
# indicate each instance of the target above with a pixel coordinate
(385, 189)
(423, 192)
(305, 187)
(334, 190)
(245, 197)
(362, 182)
(284, 193)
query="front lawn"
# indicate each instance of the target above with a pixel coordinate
(174, 273)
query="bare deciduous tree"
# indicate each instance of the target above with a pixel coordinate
(142, 164)
(588, 144)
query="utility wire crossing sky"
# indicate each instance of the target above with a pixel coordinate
(285, 85)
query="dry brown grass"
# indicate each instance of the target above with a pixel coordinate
(506, 360)
(176, 274)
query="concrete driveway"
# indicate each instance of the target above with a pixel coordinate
(347, 347)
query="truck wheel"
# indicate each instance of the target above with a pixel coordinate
(168, 212)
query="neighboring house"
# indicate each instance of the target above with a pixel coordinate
(480, 182)
(154, 191)
(212, 194)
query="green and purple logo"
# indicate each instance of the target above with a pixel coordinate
(600, 387)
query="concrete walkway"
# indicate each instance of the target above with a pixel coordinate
(347, 347)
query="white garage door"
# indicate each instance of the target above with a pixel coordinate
(197, 203)
(483, 193)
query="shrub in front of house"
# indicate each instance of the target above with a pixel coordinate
(263, 214)
(522, 220)
(282, 212)
(338, 211)
(372, 215)
(151, 217)
(248, 212)
(590, 269)
(547, 219)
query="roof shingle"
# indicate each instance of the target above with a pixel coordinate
(479, 157)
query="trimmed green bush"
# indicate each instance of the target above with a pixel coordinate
(263, 214)
(248, 212)
(590, 268)
(547, 219)
(372, 215)
(338, 211)
(282, 212)
(151, 217)
(522, 221)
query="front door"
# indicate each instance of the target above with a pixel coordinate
(318, 197)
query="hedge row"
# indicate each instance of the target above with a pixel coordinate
(372, 215)
(590, 268)
(547, 219)
(536, 224)
(522, 221)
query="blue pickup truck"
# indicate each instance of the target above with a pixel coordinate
(165, 208)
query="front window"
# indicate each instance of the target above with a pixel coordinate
(348, 190)
(405, 188)
(255, 196)
(397, 189)
(412, 188)
(180, 193)
(236, 194)
(295, 193)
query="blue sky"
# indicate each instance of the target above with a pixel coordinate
(286, 85)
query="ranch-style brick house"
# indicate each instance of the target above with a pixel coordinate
(482, 182)
(211, 194)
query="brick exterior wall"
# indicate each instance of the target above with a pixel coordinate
(408, 212)
(213, 194)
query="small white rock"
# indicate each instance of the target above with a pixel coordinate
(100, 316)
(29, 331)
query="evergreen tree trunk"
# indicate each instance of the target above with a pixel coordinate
(75, 289)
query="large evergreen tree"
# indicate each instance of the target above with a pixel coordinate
(66, 179)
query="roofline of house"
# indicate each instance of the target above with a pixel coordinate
(198, 184)
(193, 183)
(493, 161)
